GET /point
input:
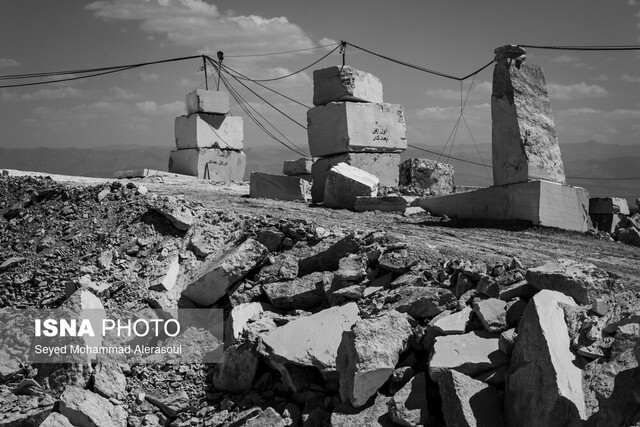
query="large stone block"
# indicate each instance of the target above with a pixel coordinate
(541, 202)
(545, 386)
(209, 131)
(209, 163)
(524, 140)
(345, 183)
(301, 166)
(342, 127)
(433, 177)
(208, 101)
(279, 187)
(608, 205)
(383, 165)
(343, 83)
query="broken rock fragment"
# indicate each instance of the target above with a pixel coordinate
(492, 313)
(216, 277)
(470, 403)
(179, 215)
(84, 408)
(424, 301)
(582, 281)
(329, 259)
(408, 407)
(302, 293)
(542, 368)
(369, 353)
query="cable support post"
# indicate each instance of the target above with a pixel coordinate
(343, 52)
(220, 59)
(204, 68)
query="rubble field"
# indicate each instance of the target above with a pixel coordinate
(332, 317)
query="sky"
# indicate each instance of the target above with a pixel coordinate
(594, 95)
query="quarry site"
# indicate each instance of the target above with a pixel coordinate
(356, 290)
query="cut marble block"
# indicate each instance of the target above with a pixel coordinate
(342, 127)
(541, 202)
(301, 166)
(345, 183)
(209, 131)
(608, 205)
(343, 83)
(385, 166)
(523, 135)
(209, 163)
(207, 101)
(434, 177)
(279, 187)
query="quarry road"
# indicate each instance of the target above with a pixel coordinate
(438, 240)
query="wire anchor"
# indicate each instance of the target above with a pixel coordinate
(220, 59)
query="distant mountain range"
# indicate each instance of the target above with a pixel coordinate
(582, 160)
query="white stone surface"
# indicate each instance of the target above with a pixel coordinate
(341, 127)
(209, 131)
(545, 387)
(455, 323)
(541, 202)
(382, 165)
(343, 83)
(278, 187)
(312, 340)
(208, 101)
(344, 183)
(240, 316)
(209, 163)
(524, 140)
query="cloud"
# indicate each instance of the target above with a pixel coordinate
(566, 59)
(482, 89)
(201, 25)
(118, 93)
(58, 93)
(148, 77)
(575, 91)
(630, 79)
(170, 109)
(582, 124)
(8, 62)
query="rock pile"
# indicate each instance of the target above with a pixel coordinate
(209, 141)
(325, 326)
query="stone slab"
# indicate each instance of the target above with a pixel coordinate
(605, 222)
(209, 163)
(207, 101)
(343, 83)
(298, 167)
(382, 203)
(608, 205)
(209, 131)
(383, 165)
(342, 127)
(541, 202)
(278, 187)
(345, 183)
(523, 133)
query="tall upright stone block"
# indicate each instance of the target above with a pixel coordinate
(209, 163)
(382, 165)
(342, 127)
(343, 83)
(207, 101)
(203, 130)
(524, 140)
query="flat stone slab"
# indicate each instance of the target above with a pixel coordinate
(545, 387)
(523, 136)
(302, 293)
(383, 165)
(342, 127)
(278, 187)
(312, 340)
(344, 83)
(203, 130)
(207, 101)
(382, 203)
(299, 167)
(209, 163)
(455, 323)
(541, 202)
(471, 354)
(345, 183)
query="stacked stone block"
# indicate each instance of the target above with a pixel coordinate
(209, 142)
(351, 124)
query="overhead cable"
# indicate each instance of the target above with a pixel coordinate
(282, 53)
(593, 48)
